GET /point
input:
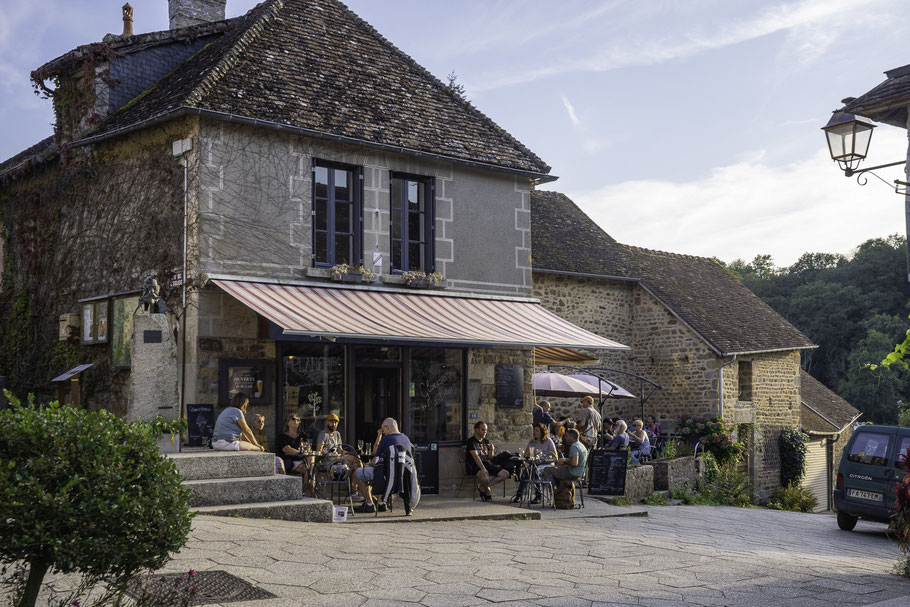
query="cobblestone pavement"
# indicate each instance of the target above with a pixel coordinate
(682, 555)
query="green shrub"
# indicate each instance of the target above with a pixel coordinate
(714, 434)
(724, 484)
(792, 456)
(85, 492)
(656, 499)
(669, 451)
(795, 498)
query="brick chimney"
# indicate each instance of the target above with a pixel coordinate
(127, 20)
(184, 13)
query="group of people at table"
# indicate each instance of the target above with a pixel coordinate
(558, 450)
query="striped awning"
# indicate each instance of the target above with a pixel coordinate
(391, 315)
(544, 355)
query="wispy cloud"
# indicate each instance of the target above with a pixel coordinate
(620, 51)
(749, 207)
(573, 117)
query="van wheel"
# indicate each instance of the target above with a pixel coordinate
(846, 521)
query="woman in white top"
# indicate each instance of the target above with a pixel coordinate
(543, 451)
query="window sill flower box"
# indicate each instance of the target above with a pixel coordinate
(351, 274)
(420, 280)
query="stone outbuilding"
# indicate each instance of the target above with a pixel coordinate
(714, 347)
(829, 421)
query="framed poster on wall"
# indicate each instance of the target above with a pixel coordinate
(251, 376)
(95, 321)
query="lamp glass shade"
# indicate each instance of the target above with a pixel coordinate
(848, 139)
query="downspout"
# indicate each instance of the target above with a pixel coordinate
(180, 148)
(720, 386)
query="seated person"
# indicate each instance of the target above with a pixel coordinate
(542, 413)
(287, 447)
(329, 444)
(232, 433)
(259, 432)
(620, 439)
(556, 432)
(479, 452)
(330, 438)
(387, 436)
(639, 441)
(652, 427)
(572, 466)
(542, 450)
(606, 431)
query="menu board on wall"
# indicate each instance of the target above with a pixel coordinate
(509, 386)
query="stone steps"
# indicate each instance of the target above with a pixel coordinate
(244, 484)
(307, 510)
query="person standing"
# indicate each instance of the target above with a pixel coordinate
(590, 423)
(542, 414)
(232, 433)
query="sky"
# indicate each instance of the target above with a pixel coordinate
(691, 127)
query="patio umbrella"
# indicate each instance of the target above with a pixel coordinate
(608, 389)
(555, 384)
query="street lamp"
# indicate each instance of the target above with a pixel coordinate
(848, 142)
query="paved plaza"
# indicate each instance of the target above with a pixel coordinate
(677, 555)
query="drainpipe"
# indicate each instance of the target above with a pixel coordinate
(180, 149)
(720, 386)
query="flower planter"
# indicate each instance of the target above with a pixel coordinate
(169, 443)
(353, 278)
(639, 482)
(420, 284)
(670, 474)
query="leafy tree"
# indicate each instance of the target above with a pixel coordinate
(85, 492)
(874, 390)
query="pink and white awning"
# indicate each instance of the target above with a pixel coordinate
(391, 315)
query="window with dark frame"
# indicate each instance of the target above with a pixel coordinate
(337, 214)
(413, 216)
(745, 380)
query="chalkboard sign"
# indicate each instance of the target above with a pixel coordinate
(608, 473)
(200, 424)
(426, 458)
(509, 386)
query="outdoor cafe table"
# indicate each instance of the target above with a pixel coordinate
(529, 476)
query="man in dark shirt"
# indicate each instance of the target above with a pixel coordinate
(542, 413)
(477, 462)
(387, 436)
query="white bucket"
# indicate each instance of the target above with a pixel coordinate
(339, 514)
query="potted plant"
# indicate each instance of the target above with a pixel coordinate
(354, 274)
(421, 280)
(169, 430)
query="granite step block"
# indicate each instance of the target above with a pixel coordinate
(222, 492)
(208, 464)
(306, 510)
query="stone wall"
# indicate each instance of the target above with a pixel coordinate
(663, 349)
(256, 210)
(503, 425)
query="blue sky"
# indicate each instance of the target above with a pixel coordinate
(683, 126)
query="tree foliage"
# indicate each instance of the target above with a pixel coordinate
(85, 492)
(855, 308)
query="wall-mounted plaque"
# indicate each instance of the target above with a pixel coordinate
(509, 386)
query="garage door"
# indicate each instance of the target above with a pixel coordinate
(816, 477)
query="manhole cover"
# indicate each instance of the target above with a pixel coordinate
(210, 587)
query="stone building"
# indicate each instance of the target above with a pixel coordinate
(328, 178)
(714, 347)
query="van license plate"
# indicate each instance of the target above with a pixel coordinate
(864, 495)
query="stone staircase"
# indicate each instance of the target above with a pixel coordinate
(244, 484)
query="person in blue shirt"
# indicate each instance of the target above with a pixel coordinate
(232, 433)
(387, 436)
(620, 438)
(542, 414)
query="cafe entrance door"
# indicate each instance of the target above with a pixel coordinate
(377, 395)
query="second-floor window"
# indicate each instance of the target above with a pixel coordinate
(412, 225)
(337, 214)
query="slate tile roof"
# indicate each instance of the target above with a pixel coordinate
(886, 102)
(314, 64)
(726, 314)
(37, 154)
(823, 411)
